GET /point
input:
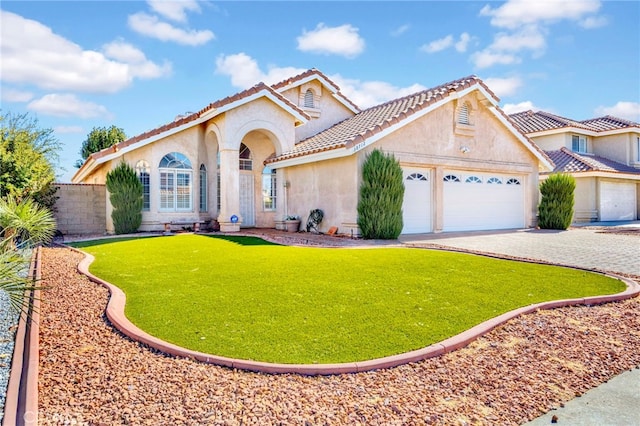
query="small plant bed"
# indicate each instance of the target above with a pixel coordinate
(245, 298)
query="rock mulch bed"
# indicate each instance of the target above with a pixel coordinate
(90, 373)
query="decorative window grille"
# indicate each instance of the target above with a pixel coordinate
(473, 179)
(175, 183)
(495, 180)
(451, 178)
(463, 114)
(144, 174)
(513, 181)
(245, 158)
(308, 99)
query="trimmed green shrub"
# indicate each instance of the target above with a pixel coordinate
(556, 206)
(125, 193)
(381, 195)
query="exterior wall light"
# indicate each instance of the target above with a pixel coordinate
(465, 149)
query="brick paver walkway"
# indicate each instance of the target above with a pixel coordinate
(585, 248)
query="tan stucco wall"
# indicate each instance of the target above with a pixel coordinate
(331, 186)
(553, 142)
(80, 208)
(615, 147)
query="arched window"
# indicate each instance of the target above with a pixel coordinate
(143, 171)
(417, 176)
(494, 180)
(513, 181)
(175, 182)
(245, 158)
(473, 179)
(269, 188)
(203, 188)
(451, 178)
(463, 114)
(308, 99)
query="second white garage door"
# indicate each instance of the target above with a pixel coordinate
(479, 201)
(617, 201)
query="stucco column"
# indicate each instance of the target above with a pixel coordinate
(438, 198)
(229, 190)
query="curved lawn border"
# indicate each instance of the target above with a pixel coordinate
(115, 314)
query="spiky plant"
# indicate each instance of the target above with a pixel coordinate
(381, 196)
(125, 193)
(555, 210)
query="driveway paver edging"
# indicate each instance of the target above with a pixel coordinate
(115, 314)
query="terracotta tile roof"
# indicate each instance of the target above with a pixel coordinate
(194, 116)
(376, 119)
(308, 73)
(571, 162)
(540, 121)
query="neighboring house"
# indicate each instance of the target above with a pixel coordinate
(299, 145)
(603, 154)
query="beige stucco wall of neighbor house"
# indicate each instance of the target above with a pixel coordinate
(331, 186)
(615, 147)
(80, 209)
(585, 208)
(553, 142)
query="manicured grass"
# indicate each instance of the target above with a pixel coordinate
(244, 298)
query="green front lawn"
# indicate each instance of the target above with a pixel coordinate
(244, 298)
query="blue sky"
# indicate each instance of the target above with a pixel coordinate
(76, 65)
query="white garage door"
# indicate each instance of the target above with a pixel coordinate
(617, 201)
(478, 201)
(416, 208)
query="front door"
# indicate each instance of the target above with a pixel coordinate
(247, 209)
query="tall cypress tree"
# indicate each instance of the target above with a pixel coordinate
(381, 196)
(125, 193)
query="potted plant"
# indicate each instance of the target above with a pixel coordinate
(292, 223)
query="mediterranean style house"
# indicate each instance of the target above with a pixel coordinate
(602, 154)
(254, 158)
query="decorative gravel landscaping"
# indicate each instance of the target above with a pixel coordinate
(242, 297)
(90, 373)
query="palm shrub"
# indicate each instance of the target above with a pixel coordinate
(125, 194)
(23, 224)
(555, 210)
(381, 195)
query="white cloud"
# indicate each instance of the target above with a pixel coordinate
(14, 95)
(136, 59)
(366, 94)
(68, 129)
(67, 105)
(343, 40)
(515, 13)
(32, 53)
(594, 22)
(173, 9)
(519, 107)
(486, 58)
(528, 38)
(151, 26)
(503, 86)
(400, 30)
(245, 72)
(463, 42)
(438, 45)
(622, 109)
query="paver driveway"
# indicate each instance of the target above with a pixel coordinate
(585, 248)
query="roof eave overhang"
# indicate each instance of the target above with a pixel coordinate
(582, 131)
(601, 174)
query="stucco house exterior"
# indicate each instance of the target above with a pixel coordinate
(602, 154)
(268, 152)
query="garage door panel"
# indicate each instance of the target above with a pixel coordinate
(617, 201)
(416, 207)
(482, 202)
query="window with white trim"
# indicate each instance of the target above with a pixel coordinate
(638, 149)
(269, 188)
(144, 173)
(417, 176)
(175, 182)
(473, 179)
(203, 188)
(513, 181)
(579, 143)
(451, 178)
(245, 158)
